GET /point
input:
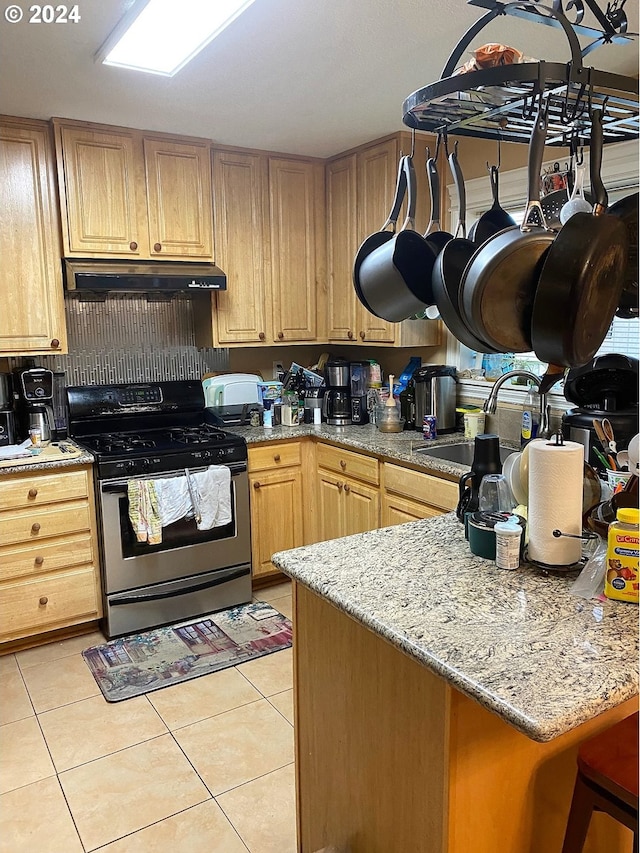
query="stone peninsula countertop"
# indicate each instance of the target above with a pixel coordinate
(50, 459)
(368, 439)
(517, 642)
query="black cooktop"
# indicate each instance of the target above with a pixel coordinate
(148, 428)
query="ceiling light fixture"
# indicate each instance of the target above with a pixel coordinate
(161, 36)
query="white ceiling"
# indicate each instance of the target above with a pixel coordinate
(310, 77)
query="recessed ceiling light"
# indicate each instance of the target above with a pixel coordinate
(161, 36)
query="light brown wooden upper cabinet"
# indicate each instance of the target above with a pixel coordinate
(129, 194)
(360, 189)
(32, 317)
(269, 215)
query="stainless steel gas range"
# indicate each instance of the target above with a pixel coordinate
(155, 432)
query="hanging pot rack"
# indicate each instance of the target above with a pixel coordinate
(497, 103)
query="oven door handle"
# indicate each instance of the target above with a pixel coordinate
(113, 488)
(136, 599)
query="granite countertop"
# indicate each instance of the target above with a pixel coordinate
(50, 459)
(395, 446)
(517, 642)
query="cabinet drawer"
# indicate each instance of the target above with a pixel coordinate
(39, 557)
(420, 487)
(42, 603)
(363, 468)
(32, 526)
(37, 490)
(274, 456)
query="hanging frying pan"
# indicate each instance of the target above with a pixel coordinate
(627, 210)
(434, 234)
(382, 236)
(495, 219)
(499, 283)
(582, 276)
(449, 268)
(395, 278)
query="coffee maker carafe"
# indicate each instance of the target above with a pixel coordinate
(34, 388)
(336, 403)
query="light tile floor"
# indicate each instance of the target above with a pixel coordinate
(204, 765)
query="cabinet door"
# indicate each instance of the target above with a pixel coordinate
(276, 516)
(330, 506)
(342, 245)
(101, 189)
(361, 507)
(32, 319)
(179, 199)
(398, 510)
(296, 213)
(377, 173)
(242, 247)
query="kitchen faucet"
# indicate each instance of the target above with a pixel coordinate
(490, 403)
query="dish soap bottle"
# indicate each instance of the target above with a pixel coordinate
(530, 416)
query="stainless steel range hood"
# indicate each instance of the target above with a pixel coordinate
(141, 276)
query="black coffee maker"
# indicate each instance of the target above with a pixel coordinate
(486, 460)
(336, 403)
(33, 388)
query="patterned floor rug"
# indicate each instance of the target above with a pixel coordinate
(140, 663)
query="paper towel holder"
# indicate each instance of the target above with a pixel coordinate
(586, 535)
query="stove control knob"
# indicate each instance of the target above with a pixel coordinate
(206, 454)
(130, 465)
(144, 464)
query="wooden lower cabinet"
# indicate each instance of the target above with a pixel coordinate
(49, 576)
(410, 495)
(346, 506)
(390, 758)
(276, 489)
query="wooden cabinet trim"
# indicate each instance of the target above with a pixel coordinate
(274, 456)
(349, 464)
(422, 487)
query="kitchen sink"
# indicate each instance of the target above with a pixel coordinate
(461, 452)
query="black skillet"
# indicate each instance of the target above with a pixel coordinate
(500, 280)
(582, 277)
(449, 268)
(627, 210)
(373, 241)
(495, 219)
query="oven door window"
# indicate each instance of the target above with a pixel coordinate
(177, 535)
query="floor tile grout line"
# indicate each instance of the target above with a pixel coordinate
(275, 708)
(73, 820)
(212, 716)
(255, 779)
(235, 829)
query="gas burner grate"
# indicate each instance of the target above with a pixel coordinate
(112, 443)
(202, 434)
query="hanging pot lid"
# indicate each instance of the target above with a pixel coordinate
(607, 382)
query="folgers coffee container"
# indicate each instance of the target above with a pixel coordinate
(621, 579)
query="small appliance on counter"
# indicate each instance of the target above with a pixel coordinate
(435, 393)
(358, 373)
(606, 387)
(34, 402)
(336, 403)
(486, 460)
(7, 415)
(231, 398)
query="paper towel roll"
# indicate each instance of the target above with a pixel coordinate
(556, 473)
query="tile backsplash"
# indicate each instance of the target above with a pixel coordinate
(129, 339)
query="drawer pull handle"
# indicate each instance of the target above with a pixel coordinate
(157, 247)
(347, 487)
(350, 335)
(33, 493)
(256, 485)
(262, 336)
(340, 486)
(280, 335)
(362, 336)
(44, 600)
(35, 527)
(276, 458)
(39, 561)
(133, 245)
(343, 464)
(55, 344)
